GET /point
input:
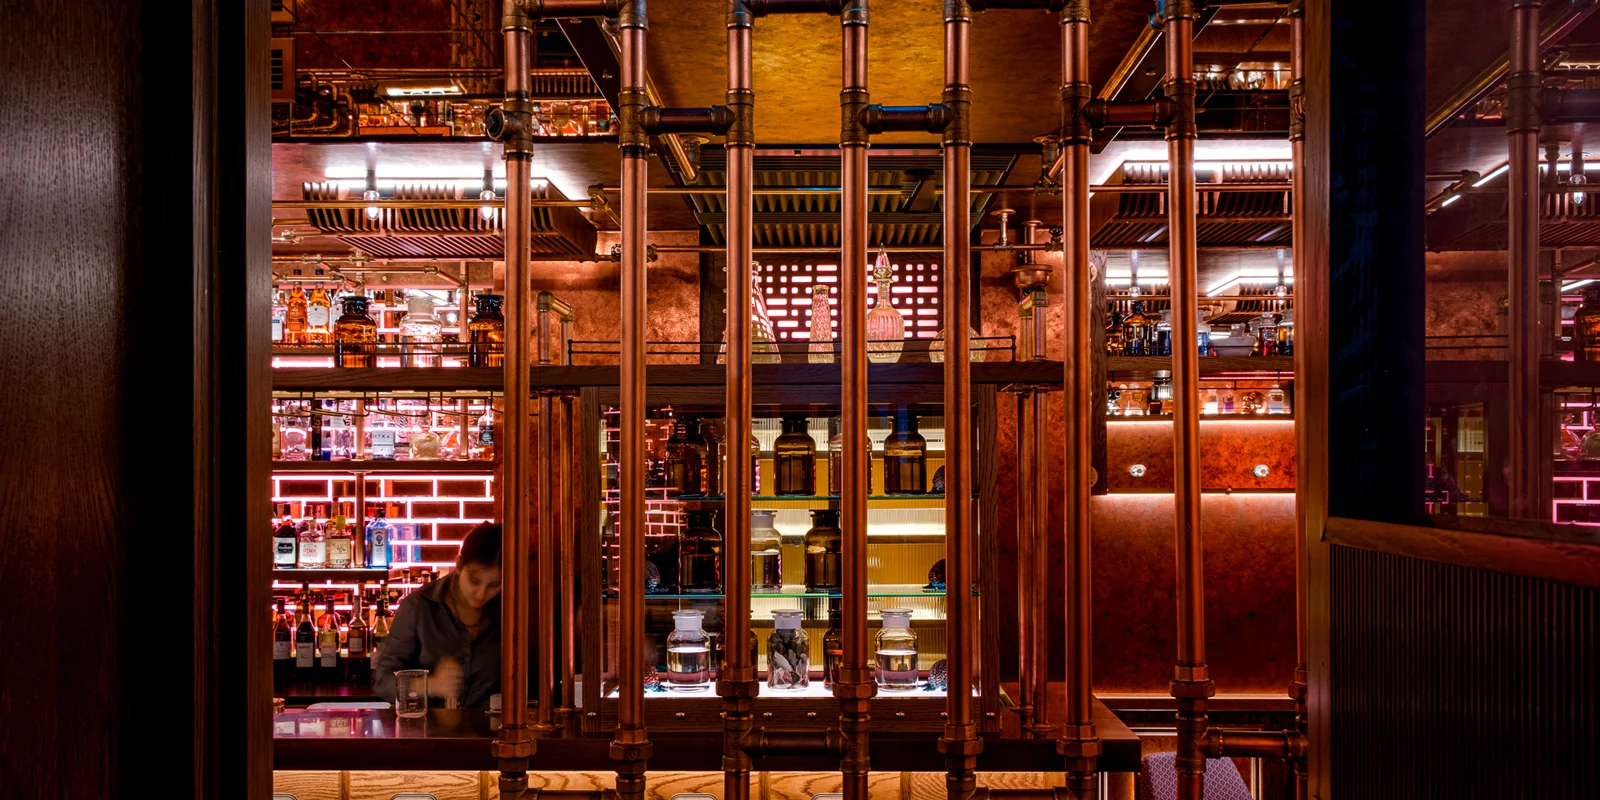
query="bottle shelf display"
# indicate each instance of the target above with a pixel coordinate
(796, 569)
(384, 329)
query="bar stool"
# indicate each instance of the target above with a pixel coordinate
(1158, 780)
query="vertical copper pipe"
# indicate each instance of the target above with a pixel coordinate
(515, 742)
(855, 686)
(1079, 742)
(1191, 683)
(1522, 130)
(631, 746)
(960, 743)
(737, 682)
(1303, 476)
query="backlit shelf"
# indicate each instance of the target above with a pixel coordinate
(297, 575)
(787, 595)
(369, 466)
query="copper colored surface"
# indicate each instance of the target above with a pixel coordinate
(545, 557)
(1027, 591)
(1527, 446)
(1229, 450)
(1297, 145)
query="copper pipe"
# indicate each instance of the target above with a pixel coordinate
(1110, 188)
(514, 745)
(773, 742)
(855, 686)
(737, 682)
(631, 746)
(1225, 743)
(960, 743)
(1303, 479)
(1043, 728)
(1522, 130)
(1191, 683)
(430, 204)
(1079, 742)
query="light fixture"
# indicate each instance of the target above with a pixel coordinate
(1567, 287)
(1498, 171)
(487, 195)
(1133, 286)
(1259, 470)
(1449, 200)
(1137, 470)
(1283, 288)
(371, 195)
(1577, 178)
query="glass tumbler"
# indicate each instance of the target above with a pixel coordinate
(411, 693)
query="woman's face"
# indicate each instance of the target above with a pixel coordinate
(479, 584)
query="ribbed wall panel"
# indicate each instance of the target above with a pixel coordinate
(1451, 682)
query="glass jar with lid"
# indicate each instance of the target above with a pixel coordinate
(788, 652)
(794, 458)
(686, 457)
(905, 457)
(421, 333)
(700, 554)
(766, 553)
(355, 335)
(897, 652)
(487, 333)
(688, 654)
(823, 545)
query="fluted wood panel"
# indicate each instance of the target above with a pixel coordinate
(1452, 682)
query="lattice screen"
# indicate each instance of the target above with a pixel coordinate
(787, 287)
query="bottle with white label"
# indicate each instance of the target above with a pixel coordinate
(313, 548)
(305, 641)
(381, 438)
(284, 542)
(378, 534)
(282, 648)
(339, 545)
(329, 670)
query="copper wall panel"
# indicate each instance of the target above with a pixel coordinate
(1249, 560)
(336, 51)
(591, 288)
(1463, 296)
(1229, 451)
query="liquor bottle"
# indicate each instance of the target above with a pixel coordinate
(886, 327)
(1116, 342)
(355, 335)
(305, 640)
(975, 349)
(313, 549)
(358, 662)
(700, 554)
(1162, 345)
(1202, 334)
(340, 546)
(383, 436)
(1277, 402)
(766, 553)
(294, 315)
(823, 548)
(421, 333)
(319, 313)
(378, 541)
(329, 669)
(832, 648)
(296, 432)
(1210, 405)
(1586, 327)
(487, 333)
(905, 457)
(482, 447)
(686, 457)
(821, 349)
(380, 622)
(1266, 336)
(279, 314)
(285, 544)
(794, 461)
(897, 652)
(282, 649)
(1136, 332)
(1286, 333)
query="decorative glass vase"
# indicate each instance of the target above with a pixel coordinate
(821, 326)
(936, 347)
(886, 327)
(763, 343)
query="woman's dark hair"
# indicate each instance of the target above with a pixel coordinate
(481, 547)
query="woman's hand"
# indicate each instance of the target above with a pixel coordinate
(446, 681)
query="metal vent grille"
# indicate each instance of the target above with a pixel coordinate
(787, 287)
(283, 83)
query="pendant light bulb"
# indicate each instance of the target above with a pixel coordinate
(487, 209)
(1578, 179)
(371, 196)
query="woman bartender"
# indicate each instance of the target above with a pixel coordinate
(451, 627)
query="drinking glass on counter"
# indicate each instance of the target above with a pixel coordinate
(411, 692)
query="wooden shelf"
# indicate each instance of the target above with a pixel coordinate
(344, 467)
(386, 379)
(1002, 373)
(1242, 367)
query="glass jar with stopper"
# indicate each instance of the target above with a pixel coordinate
(688, 654)
(788, 652)
(766, 553)
(897, 652)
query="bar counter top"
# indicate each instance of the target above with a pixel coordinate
(359, 739)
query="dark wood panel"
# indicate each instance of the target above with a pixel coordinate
(1564, 553)
(987, 549)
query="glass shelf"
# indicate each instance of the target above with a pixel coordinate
(783, 595)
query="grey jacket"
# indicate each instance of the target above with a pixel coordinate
(426, 631)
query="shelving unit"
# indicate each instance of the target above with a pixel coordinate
(383, 467)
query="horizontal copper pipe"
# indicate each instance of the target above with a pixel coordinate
(1146, 113)
(429, 204)
(771, 742)
(1107, 188)
(1224, 743)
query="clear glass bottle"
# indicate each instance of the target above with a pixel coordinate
(355, 335)
(312, 546)
(1586, 327)
(421, 333)
(794, 461)
(487, 333)
(1161, 394)
(1202, 334)
(975, 351)
(897, 652)
(905, 457)
(688, 654)
(836, 464)
(821, 349)
(700, 554)
(1209, 405)
(295, 439)
(482, 445)
(823, 546)
(763, 342)
(340, 437)
(382, 436)
(1162, 345)
(766, 553)
(1136, 332)
(788, 652)
(686, 457)
(832, 647)
(378, 535)
(280, 313)
(886, 327)
(1277, 401)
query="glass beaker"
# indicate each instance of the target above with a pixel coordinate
(411, 693)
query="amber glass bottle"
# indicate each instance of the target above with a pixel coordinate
(700, 554)
(686, 457)
(355, 335)
(1586, 327)
(319, 310)
(905, 457)
(795, 459)
(823, 545)
(1137, 334)
(1114, 338)
(832, 648)
(487, 333)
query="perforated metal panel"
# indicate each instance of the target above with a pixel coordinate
(787, 286)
